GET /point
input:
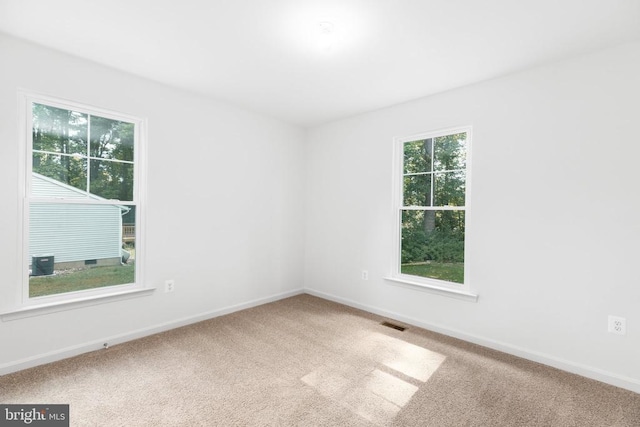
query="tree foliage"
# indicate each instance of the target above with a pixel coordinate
(68, 145)
(434, 177)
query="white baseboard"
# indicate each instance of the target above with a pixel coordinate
(94, 345)
(628, 383)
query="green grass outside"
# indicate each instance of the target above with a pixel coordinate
(451, 272)
(78, 280)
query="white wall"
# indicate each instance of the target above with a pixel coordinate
(553, 228)
(224, 214)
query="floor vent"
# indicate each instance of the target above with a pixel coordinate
(393, 326)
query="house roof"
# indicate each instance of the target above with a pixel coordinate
(70, 189)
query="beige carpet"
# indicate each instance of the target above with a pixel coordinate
(305, 361)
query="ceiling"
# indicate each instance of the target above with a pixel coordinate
(265, 55)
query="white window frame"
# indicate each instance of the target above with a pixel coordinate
(26, 306)
(462, 291)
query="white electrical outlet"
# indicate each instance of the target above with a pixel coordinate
(169, 285)
(365, 275)
(617, 325)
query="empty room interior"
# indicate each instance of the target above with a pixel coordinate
(320, 212)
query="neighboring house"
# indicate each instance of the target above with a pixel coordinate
(75, 234)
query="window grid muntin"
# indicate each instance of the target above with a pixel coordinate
(88, 157)
(432, 172)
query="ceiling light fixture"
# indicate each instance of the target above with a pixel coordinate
(326, 35)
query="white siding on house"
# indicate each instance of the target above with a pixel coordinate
(72, 232)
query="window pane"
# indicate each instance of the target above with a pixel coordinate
(417, 156)
(417, 190)
(433, 244)
(450, 152)
(112, 180)
(111, 139)
(67, 170)
(74, 247)
(449, 189)
(58, 130)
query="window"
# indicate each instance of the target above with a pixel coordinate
(432, 183)
(82, 204)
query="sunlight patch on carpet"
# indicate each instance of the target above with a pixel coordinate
(392, 388)
(368, 386)
(409, 359)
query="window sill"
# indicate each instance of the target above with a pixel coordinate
(438, 290)
(54, 307)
